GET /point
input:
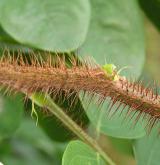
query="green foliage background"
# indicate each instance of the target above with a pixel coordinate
(122, 32)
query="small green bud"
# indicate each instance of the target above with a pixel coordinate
(109, 69)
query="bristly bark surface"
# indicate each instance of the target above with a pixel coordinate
(27, 76)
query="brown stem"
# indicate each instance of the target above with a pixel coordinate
(49, 78)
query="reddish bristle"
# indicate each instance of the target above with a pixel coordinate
(36, 74)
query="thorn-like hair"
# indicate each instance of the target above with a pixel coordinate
(50, 74)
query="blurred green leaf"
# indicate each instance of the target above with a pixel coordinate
(26, 155)
(11, 112)
(116, 35)
(4, 37)
(34, 134)
(152, 10)
(31, 146)
(147, 149)
(122, 145)
(78, 153)
(8, 42)
(49, 25)
(116, 125)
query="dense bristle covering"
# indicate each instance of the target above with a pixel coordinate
(32, 73)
